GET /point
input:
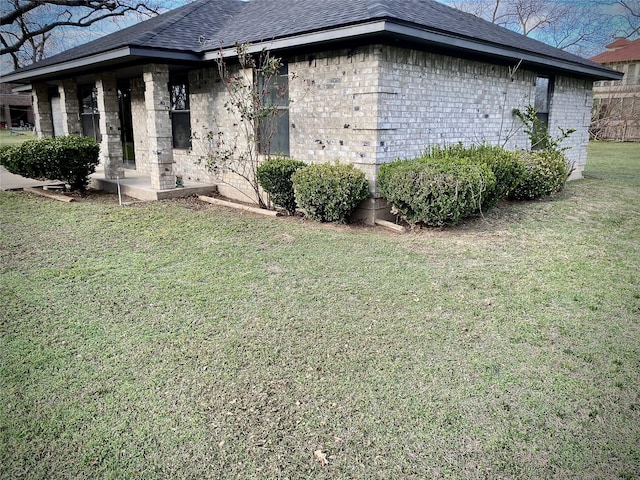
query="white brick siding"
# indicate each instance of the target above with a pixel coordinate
(364, 106)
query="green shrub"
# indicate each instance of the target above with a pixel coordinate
(435, 192)
(25, 159)
(505, 165)
(76, 159)
(6, 155)
(329, 192)
(274, 176)
(69, 159)
(546, 172)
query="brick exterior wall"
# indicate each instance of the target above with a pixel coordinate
(383, 103)
(364, 106)
(42, 110)
(159, 139)
(207, 98)
(70, 107)
(206, 101)
(571, 108)
(109, 108)
(139, 120)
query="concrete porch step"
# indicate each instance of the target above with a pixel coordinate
(138, 186)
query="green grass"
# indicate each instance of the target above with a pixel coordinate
(19, 136)
(176, 340)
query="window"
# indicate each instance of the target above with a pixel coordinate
(542, 102)
(180, 114)
(632, 76)
(273, 131)
(89, 113)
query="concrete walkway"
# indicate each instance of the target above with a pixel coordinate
(136, 185)
(9, 181)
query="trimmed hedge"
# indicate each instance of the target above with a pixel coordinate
(69, 159)
(15, 159)
(546, 173)
(274, 176)
(506, 166)
(435, 192)
(329, 192)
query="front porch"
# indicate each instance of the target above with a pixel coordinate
(138, 185)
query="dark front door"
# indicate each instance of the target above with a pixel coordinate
(126, 126)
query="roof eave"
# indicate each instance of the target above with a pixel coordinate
(109, 57)
(302, 40)
(504, 52)
(432, 37)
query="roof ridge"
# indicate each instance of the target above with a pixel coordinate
(378, 8)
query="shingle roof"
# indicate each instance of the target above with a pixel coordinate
(629, 52)
(263, 20)
(227, 22)
(617, 43)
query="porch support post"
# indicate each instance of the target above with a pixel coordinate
(70, 107)
(7, 115)
(109, 108)
(42, 110)
(159, 136)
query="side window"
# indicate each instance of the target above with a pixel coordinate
(542, 103)
(273, 131)
(180, 114)
(89, 114)
(632, 74)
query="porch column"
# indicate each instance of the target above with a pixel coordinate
(159, 137)
(70, 104)
(7, 115)
(42, 110)
(109, 108)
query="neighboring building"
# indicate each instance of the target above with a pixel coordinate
(368, 81)
(15, 107)
(616, 108)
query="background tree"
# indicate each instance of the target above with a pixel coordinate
(30, 26)
(627, 14)
(580, 27)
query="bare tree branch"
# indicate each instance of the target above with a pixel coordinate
(29, 24)
(581, 27)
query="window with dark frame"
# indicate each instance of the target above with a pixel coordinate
(89, 113)
(180, 113)
(273, 132)
(542, 101)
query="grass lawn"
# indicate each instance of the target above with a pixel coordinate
(177, 340)
(19, 136)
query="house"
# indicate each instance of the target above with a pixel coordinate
(616, 112)
(368, 81)
(15, 107)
